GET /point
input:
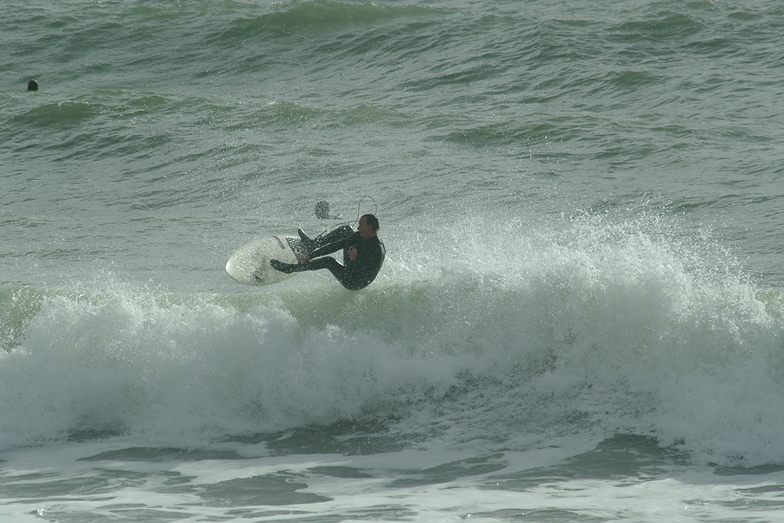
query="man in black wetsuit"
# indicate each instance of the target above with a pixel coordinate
(363, 255)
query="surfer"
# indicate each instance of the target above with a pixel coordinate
(32, 85)
(363, 255)
(322, 211)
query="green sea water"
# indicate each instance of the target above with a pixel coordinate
(580, 313)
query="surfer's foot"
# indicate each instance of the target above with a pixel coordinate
(303, 236)
(287, 268)
(307, 243)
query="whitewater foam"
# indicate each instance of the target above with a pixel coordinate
(592, 324)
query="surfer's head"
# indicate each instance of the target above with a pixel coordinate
(322, 210)
(368, 226)
(32, 85)
(371, 220)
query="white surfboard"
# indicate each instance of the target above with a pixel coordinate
(250, 263)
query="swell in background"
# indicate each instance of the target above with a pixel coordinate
(160, 128)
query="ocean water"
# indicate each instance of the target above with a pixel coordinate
(581, 313)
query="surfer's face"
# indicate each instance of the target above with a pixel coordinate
(365, 230)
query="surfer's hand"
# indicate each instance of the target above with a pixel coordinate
(303, 258)
(352, 254)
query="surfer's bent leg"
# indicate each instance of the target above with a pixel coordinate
(333, 236)
(311, 244)
(343, 275)
(326, 262)
(287, 268)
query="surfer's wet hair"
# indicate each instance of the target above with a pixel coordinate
(371, 220)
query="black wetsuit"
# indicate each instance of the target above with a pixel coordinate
(353, 274)
(344, 231)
